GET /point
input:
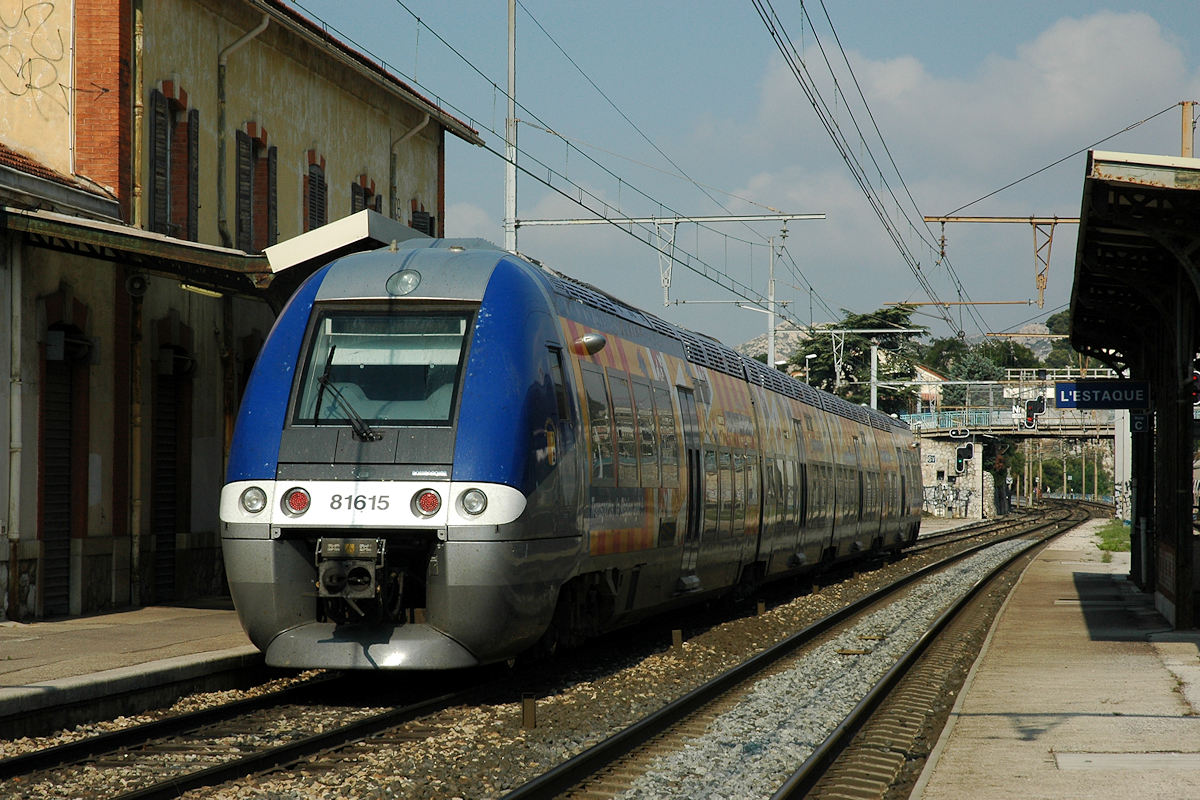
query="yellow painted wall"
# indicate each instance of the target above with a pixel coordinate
(305, 100)
(35, 80)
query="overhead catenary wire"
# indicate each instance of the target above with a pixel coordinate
(1052, 164)
(574, 192)
(827, 118)
(621, 113)
(923, 231)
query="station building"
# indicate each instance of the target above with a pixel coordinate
(151, 156)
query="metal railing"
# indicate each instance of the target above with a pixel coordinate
(1096, 422)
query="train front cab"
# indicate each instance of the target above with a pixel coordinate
(389, 522)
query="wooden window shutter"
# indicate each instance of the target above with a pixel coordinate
(193, 167)
(160, 163)
(378, 205)
(314, 179)
(272, 203)
(423, 222)
(358, 197)
(317, 192)
(245, 191)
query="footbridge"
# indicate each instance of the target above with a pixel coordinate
(1070, 423)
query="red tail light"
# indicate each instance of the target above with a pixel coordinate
(296, 501)
(427, 502)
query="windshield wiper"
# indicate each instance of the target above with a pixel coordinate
(361, 429)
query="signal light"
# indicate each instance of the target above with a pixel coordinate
(1195, 388)
(1031, 413)
(962, 454)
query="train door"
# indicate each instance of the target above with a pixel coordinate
(695, 490)
(560, 445)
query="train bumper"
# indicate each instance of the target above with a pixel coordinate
(322, 645)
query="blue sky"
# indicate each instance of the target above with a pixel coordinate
(969, 96)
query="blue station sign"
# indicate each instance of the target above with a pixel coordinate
(1102, 394)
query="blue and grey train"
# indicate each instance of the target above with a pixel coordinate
(448, 455)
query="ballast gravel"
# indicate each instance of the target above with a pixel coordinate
(481, 751)
(752, 749)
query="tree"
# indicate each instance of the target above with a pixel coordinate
(974, 365)
(1008, 354)
(1061, 353)
(941, 354)
(897, 354)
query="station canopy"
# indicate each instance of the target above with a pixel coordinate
(1138, 230)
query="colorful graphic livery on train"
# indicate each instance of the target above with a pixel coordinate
(447, 456)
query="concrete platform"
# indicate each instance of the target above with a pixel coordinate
(1082, 690)
(46, 665)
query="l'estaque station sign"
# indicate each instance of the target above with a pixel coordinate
(1102, 394)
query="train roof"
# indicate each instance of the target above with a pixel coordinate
(461, 268)
(708, 352)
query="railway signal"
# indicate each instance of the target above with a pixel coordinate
(962, 454)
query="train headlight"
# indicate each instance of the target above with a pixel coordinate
(474, 502)
(427, 502)
(253, 500)
(296, 502)
(403, 282)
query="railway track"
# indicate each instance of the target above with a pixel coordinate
(389, 737)
(621, 762)
(170, 756)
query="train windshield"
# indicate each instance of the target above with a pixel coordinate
(387, 369)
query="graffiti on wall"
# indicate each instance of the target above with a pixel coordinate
(944, 499)
(33, 57)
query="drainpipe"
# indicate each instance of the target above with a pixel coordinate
(222, 58)
(136, 214)
(394, 176)
(14, 427)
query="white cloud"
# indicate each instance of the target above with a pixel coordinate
(956, 138)
(469, 220)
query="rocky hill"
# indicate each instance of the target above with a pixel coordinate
(788, 342)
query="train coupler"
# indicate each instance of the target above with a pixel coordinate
(347, 569)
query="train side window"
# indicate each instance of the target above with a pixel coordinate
(753, 497)
(712, 494)
(725, 468)
(803, 481)
(740, 495)
(627, 454)
(770, 491)
(668, 438)
(560, 385)
(600, 441)
(647, 436)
